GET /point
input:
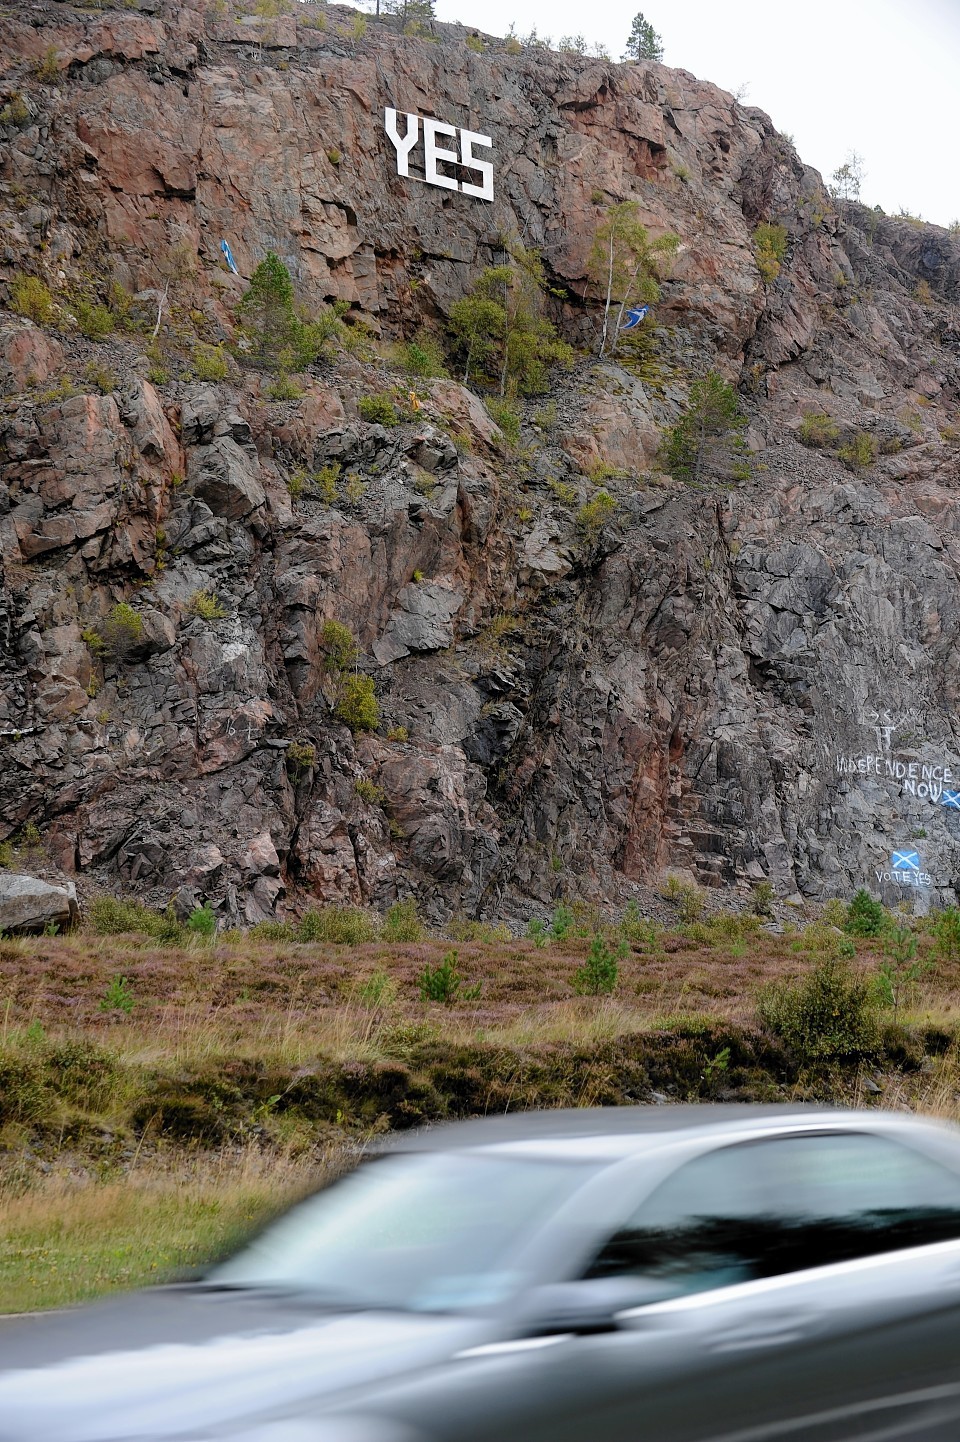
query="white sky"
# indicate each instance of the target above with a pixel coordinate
(877, 76)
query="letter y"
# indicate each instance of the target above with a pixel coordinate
(402, 144)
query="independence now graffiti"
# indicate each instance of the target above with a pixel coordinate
(926, 781)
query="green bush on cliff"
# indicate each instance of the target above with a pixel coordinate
(356, 704)
(121, 635)
(122, 632)
(351, 696)
(423, 357)
(860, 451)
(31, 298)
(593, 515)
(46, 68)
(338, 646)
(507, 418)
(94, 319)
(819, 429)
(379, 410)
(276, 337)
(210, 362)
(770, 249)
(499, 329)
(16, 111)
(707, 440)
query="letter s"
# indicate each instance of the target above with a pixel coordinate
(468, 139)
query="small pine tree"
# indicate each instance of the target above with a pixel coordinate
(643, 42)
(708, 434)
(599, 973)
(500, 327)
(277, 338)
(865, 916)
(267, 306)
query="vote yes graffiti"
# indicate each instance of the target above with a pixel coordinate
(906, 869)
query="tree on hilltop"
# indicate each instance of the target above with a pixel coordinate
(847, 179)
(643, 42)
(408, 11)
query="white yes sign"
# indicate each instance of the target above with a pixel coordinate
(434, 153)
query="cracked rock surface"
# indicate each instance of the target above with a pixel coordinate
(747, 681)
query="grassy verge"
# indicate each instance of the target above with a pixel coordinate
(157, 1100)
(61, 1244)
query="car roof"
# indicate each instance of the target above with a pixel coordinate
(619, 1131)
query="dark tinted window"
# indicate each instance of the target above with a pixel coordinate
(764, 1208)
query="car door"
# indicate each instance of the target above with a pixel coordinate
(809, 1287)
(817, 1292)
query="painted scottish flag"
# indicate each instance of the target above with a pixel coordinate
(951, 798)
(228, 257)
(905, 861)
(635, 316)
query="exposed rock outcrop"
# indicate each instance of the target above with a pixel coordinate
(749, 680)
(28, 904)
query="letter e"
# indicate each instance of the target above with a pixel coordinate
(432, 153)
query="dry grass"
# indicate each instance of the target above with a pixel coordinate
(266, 994)
(63, 1243)
(133, 1144)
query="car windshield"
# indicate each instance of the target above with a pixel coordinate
(424, 1232)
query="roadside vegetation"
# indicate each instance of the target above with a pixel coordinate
(163, 1087)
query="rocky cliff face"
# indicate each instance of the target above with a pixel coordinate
(749, 682)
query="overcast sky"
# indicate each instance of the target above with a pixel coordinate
(877, 76)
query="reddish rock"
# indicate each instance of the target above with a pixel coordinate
(326, 860)
(260, 857)
(27, 356)
(565, 707)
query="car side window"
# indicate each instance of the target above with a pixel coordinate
(761, 1209)
(840, 1196)
(698, 1229)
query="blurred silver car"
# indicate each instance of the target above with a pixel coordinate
(677, 1273)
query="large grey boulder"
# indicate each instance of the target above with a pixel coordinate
(423, 621)
(225, 475)
(28, 904)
